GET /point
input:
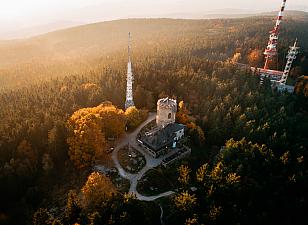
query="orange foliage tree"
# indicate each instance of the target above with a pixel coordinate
(135, 117)
(97, 188)
(195, 132)
(88, 128)
(255, 57)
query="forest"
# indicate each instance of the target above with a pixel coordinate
(63, 81)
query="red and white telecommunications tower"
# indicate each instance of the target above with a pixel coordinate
(271, 49)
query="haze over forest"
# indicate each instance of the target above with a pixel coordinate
(20, 19)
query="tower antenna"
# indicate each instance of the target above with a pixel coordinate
(271, 49)
(130, 78)
(293, 51)
(129, 46)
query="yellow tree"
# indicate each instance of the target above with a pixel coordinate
(86, 140)
(195, 132)
(185, 201)
(236, 57)
(255, 57)
(88, 128)
(182, 116)
(202, 172)
(134, 117)
(97, 188)
(112, 119)
(184, 174)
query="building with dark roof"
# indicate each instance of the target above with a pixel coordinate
(158, 142)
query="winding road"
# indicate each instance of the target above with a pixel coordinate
(131, 138)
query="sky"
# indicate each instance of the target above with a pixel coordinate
(17, 15)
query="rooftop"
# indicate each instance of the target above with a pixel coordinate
(163, 137)
(166, 101)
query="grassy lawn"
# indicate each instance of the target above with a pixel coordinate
(132, 161)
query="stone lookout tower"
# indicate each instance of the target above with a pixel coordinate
(166, 110)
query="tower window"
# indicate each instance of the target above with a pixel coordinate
(169, 116)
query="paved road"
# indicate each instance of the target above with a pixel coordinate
(150, 162)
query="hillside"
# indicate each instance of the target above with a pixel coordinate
(81, 49)
(61, 113)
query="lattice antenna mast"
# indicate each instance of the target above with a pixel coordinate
(271, 49)
(293, 51)
(130, 79)
(129, 47)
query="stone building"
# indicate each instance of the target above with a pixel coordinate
(166, 111)
(161, 141)
(166, 138)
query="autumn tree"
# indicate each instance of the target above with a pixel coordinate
(97, 189)
(88, 128)
(113, 120)
(185, 201)
(184, 174)
(182, 115)
(87, 139)
(255, 58)
(194, 131)
(236, 58)
(134, 117)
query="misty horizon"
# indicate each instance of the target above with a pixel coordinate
(33, 17)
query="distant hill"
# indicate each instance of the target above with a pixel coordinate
(36, 30)
(26, 32)
(289, 13)
(106, 37)
(80, 49)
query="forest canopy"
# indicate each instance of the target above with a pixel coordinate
(54, 117)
